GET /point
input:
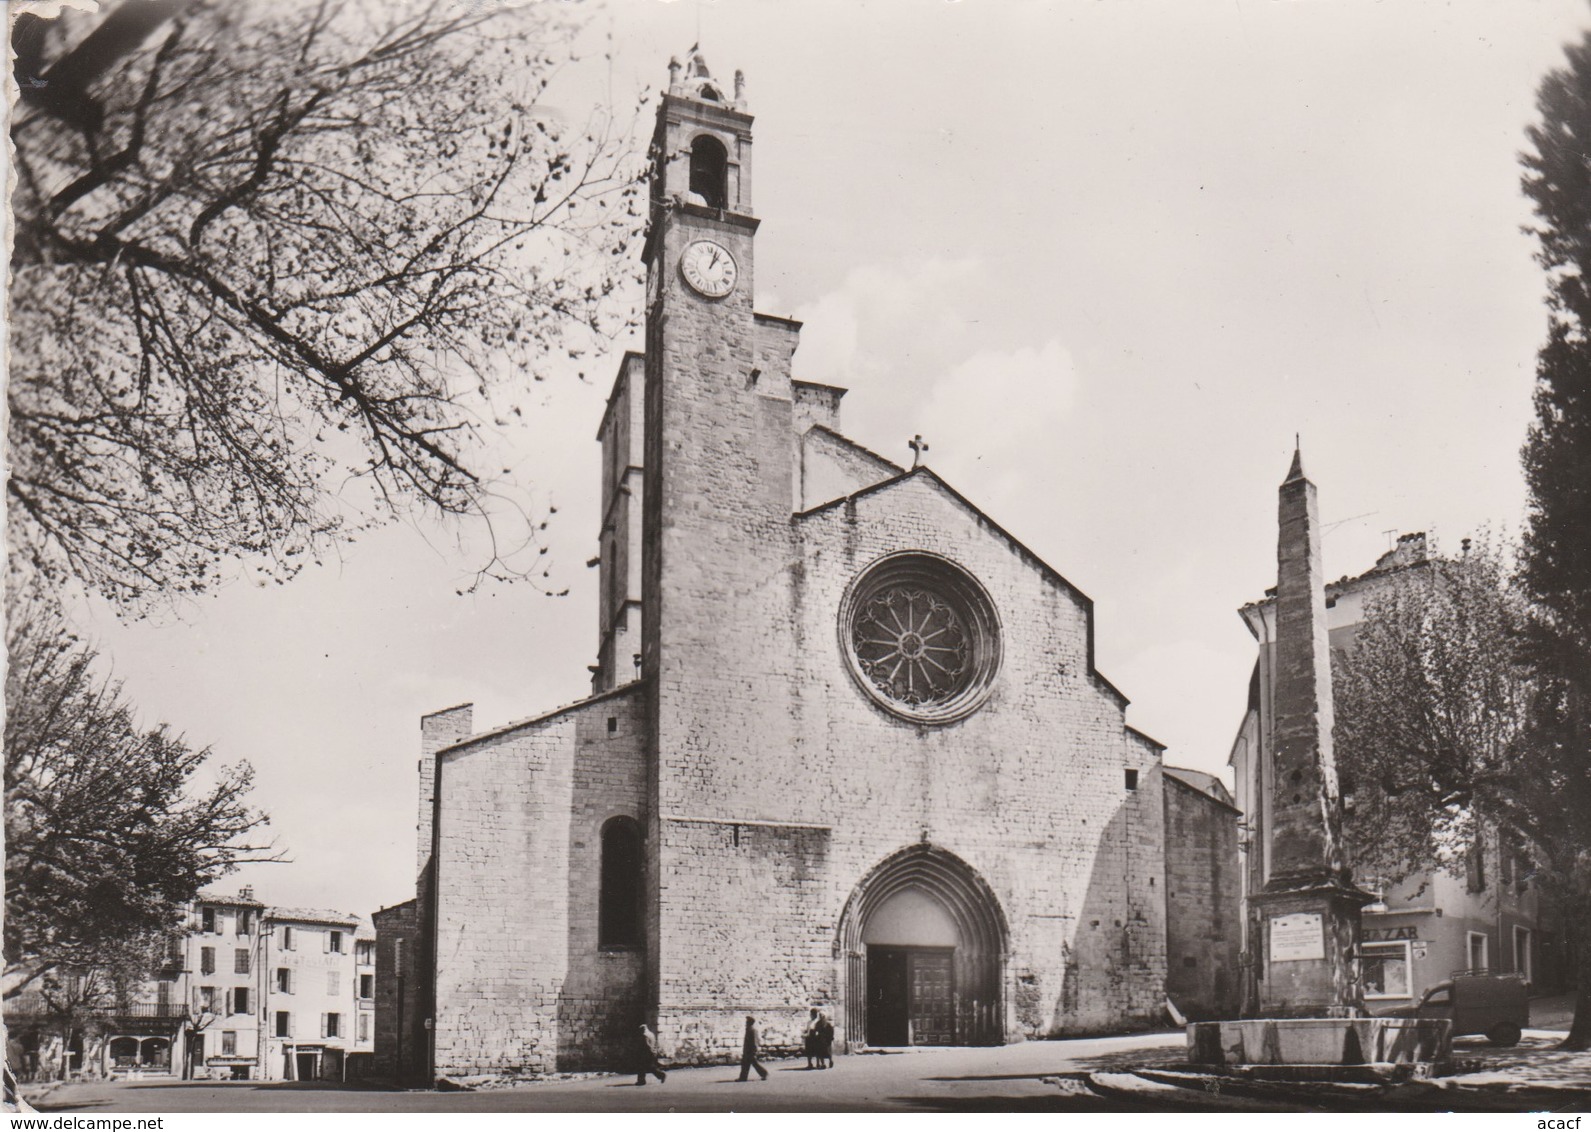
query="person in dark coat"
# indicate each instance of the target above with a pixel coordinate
(809, 1041)
(646, 1052)
(825, 1041)
(748, 1052)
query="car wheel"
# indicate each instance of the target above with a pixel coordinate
(1505, 1035)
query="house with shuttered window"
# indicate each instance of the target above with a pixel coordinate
(246, 992)
(222, 970)
(319, 992)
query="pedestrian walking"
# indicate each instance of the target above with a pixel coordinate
(809, 1041)
(825, 1036)
(646, 1054)
(748, 1052)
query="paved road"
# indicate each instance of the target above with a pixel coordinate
(1006, 1079)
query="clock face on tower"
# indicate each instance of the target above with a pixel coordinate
(709, 269)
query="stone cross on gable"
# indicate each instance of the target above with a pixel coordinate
(918, 446)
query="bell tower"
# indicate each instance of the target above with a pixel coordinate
(701, 191)
(717, 539)
(710, 446)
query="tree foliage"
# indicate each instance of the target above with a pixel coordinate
(270, 250)
(110, 828)
(68, 1002)
(1446, 728)
(1557, 455)
(1556, 568)
(1432, 714)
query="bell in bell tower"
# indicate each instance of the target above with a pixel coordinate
(709, 160)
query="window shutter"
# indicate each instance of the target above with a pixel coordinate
(323, 1031)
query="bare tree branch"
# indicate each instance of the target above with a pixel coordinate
(254, 278)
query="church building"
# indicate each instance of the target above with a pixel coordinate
(846, 745)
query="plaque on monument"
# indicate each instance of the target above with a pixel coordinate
(1298, 936)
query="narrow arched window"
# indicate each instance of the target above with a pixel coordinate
(710, 171)
(619, 906)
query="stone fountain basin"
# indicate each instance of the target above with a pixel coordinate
(1322, 1041)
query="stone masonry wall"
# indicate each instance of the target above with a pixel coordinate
(520, 984)
(619, 541)
(1030, 790)
(437, 730)
(1203, 903)
(719, 484)
(755, 898)
(400, 1034)
(816, 405)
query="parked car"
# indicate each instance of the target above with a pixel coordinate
(1495, 1005)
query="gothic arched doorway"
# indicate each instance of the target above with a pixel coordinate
(924, 942)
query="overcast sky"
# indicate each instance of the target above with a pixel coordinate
(1107, 257)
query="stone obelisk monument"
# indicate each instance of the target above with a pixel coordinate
(1307, 914)
(1305, 918)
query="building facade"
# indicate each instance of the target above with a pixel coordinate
(1204, 896)
(847, 746)
(236, 976)
(279, 994)
(1429, 926)
(79, 1024)
(1423, 928)
(222, 968)
(318, 1005)
(401, 1008)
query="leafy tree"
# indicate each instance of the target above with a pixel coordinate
(1439, 729)
(1432, 708)
(1557, 455)
(269, 250)
(1556, 569)
(110, 828)
(68, 1003)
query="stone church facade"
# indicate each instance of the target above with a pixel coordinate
(846, 745)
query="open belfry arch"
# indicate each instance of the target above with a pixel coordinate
(848, 729)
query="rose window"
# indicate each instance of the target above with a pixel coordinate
(922, 637)
(911, 645)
